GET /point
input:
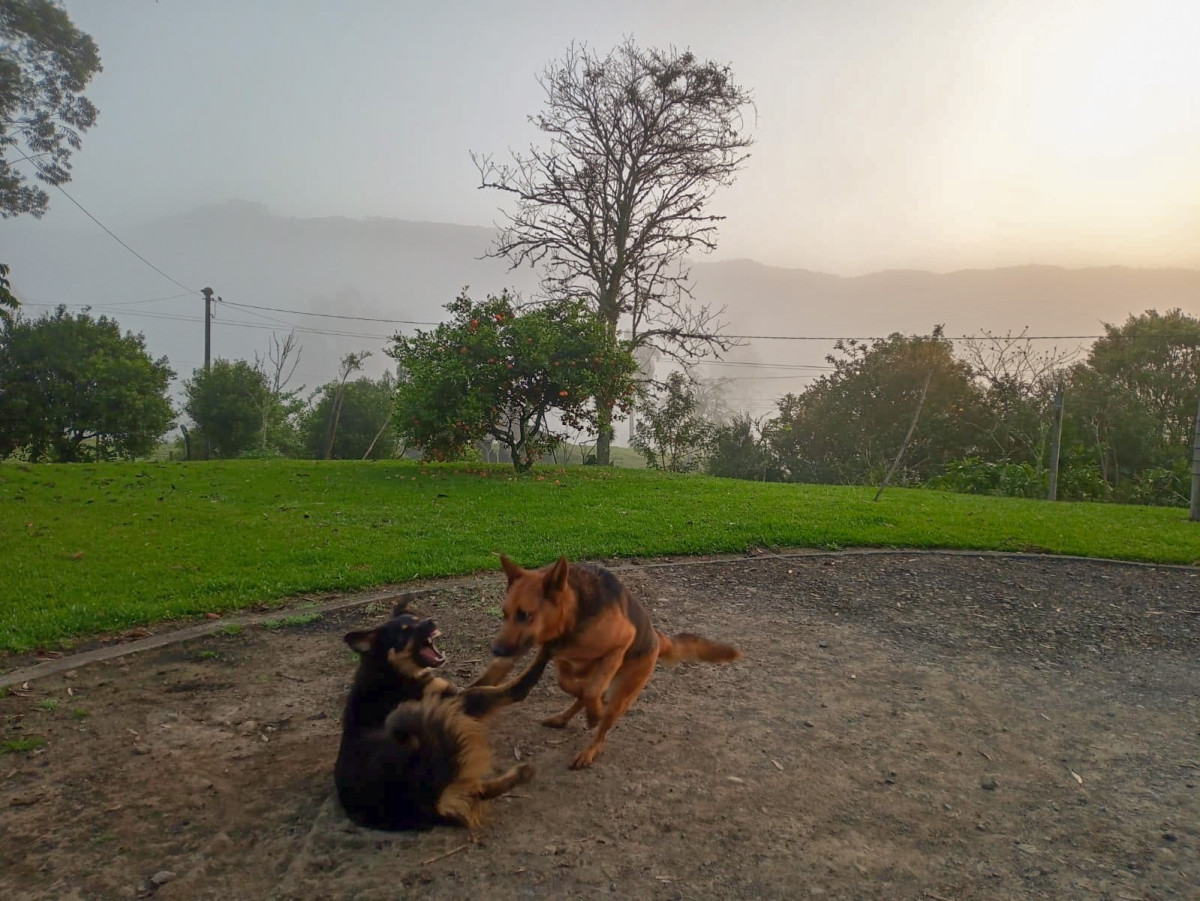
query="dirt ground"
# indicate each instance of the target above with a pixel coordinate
(903, 727)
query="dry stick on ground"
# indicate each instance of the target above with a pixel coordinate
(438, 857)
(904, 444)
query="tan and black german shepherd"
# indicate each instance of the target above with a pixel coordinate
(414, 750)
(601, 638)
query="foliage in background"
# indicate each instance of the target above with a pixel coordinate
(366, 414)
(739, 451)
(672, 435)
(493, 370)
(45, 65)
(1131, 406)
(8, 303)
(615, 204)
(226, 404)
(848, 425)
(74, 388)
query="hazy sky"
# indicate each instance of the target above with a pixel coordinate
(923, 134)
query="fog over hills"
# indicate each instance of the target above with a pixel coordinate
(400, 270)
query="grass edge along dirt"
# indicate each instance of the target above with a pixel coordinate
(93, 548)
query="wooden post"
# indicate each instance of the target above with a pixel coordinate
(912, 426)
(1055, 443)
(208, 295)
(371, 446)
(1195, 511)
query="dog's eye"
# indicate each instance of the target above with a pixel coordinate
(521, 616)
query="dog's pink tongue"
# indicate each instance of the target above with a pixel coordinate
(432, 656)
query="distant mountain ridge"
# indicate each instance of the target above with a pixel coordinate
(402, 270)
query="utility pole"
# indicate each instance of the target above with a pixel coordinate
(1055, 443)
(208, 294)
(1195, 511)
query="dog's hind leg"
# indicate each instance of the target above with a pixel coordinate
(626, 687)
(518, 775)
(560, 720)
(598, 682)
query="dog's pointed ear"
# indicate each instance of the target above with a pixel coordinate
(403, 604)
(556, 579)
(360, 641)
(511, 569)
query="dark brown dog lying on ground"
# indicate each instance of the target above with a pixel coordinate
(414, 749)
(603, 643)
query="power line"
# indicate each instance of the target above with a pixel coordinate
(108, 230)
(880, 337)
(755, 364)
(250, 306)
(174, 317)
(133, 303)
(317, 331)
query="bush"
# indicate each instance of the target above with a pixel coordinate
(1082, 482)
(738, 451)
(972, 475)
(1164, 486)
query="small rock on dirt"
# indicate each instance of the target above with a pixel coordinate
(989, 783)
(162, 877)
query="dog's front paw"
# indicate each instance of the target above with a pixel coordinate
(525, 772)
(584, 758)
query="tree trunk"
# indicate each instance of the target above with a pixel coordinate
(605, 435)
(334, 415)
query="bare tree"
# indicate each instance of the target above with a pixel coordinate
(1021, 382)
(1001, 358)
(350, 364)
(278, 373)
(610, 209)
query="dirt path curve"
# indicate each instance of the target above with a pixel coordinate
(904, 726)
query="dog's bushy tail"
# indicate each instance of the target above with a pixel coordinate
(686, 646)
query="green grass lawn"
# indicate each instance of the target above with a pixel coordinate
(93, 548)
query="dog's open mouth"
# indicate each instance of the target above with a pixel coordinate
(428, 651)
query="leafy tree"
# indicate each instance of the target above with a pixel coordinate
(638, 141)
(45, 64)
(350, 364)
(74, 388)
(1106, 428)
(226, 402)
(1156, 360)
(672, 435)
(847, 426)
(366, 411)
(8, 303)
(1130, 407)
(491, 370)
(739, 451)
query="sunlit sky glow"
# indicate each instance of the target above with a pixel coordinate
(935, 135)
